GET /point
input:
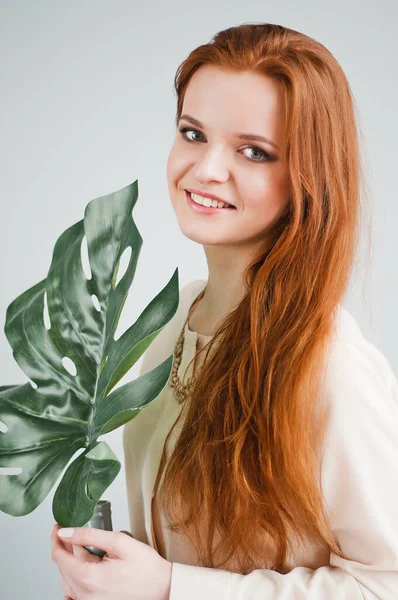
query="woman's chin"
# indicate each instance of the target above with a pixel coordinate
(201, 234)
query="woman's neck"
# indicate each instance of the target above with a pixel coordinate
(216, 303)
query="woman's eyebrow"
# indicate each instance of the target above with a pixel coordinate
(242, 136)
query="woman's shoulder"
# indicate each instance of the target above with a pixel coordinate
(350, 339)
(358, 374)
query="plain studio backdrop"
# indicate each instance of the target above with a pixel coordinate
(87, 107)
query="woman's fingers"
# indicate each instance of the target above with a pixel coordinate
(84, 554)
(127, 533)
(66, 589)
(79, 551)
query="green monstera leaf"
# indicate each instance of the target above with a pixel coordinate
(73, 363)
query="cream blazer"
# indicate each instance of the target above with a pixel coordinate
(359, 479)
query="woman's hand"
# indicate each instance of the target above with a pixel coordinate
(130, 570)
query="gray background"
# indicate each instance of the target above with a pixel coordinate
(87, 107)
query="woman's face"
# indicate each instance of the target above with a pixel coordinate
(211, 157)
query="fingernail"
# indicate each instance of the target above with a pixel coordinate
(66, 532)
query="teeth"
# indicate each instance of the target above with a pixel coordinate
(208, 202)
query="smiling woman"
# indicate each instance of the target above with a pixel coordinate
(261, 470)
(234, 107)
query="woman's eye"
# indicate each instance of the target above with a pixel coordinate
(184, 131)
(262, 156)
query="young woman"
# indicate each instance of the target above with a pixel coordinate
(267, 468)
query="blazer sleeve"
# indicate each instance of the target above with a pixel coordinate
(359, 479)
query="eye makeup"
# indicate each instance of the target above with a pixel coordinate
(266, 157)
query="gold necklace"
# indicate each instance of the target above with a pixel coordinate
(181, 390)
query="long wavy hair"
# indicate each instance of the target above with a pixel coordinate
(248, 457)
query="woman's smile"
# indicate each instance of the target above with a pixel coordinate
(207, 210)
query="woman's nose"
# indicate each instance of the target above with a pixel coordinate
(212, 165)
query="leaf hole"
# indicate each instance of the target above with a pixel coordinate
(122, 266)
(33, 384)
(69, 365)
(46, 314)
(85, 259)
(3, 427)
(96, 302)
(11, 470)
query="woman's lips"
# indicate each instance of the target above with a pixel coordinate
(207, 210)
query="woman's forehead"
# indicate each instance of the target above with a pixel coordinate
(235, 103)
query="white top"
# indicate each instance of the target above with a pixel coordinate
(359, 479)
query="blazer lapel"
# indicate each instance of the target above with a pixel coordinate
(166, 410)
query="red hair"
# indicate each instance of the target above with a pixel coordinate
(249, 452)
